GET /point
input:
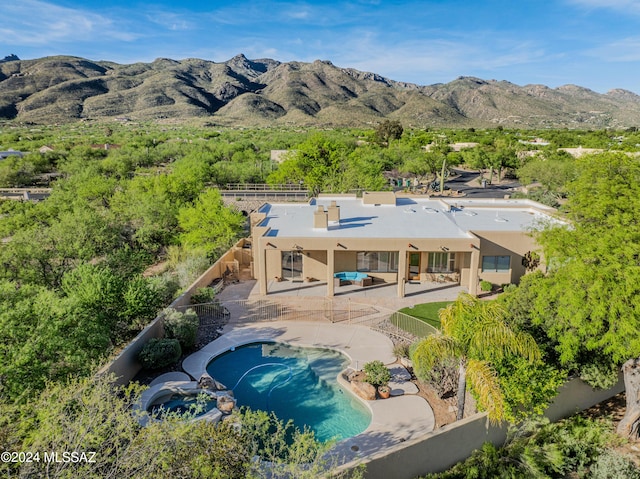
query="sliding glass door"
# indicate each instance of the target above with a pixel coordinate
(292, 265)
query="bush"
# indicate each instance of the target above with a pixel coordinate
(189, 269)
(401, 350)
(203, 295)
(611, 465)
(167, 287)
(182, 326)
(158, 353)
(599, 374)
(442, 377)
(486, 285)
(376, 373)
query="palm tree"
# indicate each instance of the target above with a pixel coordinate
(474, 333)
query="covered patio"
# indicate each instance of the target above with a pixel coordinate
(383, 294)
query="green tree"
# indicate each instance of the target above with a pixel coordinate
(389, 130)
(209, 225)
(588, 304)
(475, 333)
(425, 166)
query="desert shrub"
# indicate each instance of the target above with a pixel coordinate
(568, 448)
(182, 326)
(376, 373)
(611, 465)
(486, 285)
(167, 287)
(401, 350)
(158, 353)
(203, 295)
(190, 268)
(442, 377)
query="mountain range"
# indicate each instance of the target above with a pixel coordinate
(243, 92)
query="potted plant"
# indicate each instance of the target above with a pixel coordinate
(384, 391)
(377, 374)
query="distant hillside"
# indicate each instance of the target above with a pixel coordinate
(265, 92)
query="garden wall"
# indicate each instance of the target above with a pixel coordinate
(125, 365)
(441, 449)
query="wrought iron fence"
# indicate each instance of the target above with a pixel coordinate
(392, 323)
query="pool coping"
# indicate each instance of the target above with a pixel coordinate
(393, 421)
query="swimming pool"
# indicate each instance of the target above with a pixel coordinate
(296, 383)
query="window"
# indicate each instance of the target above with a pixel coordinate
(377, 261)
(496, 264)
(441, 262)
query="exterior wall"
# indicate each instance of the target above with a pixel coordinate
(514, 245)
(273, 264)
(314, 265)
(463, 263)
(441, 449)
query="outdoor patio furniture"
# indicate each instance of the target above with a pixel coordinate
(352, 277)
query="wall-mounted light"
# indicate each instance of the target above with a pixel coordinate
(412, 246)
(271, 245)
(340, 245)
(295, 246)
(444, 248)
(471, 245)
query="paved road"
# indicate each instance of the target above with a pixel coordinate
(465, 181)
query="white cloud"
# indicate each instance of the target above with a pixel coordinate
(171, 21)
(38, 23)
(625, 50)
(429, 60)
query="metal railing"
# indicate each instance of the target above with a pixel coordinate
(263, 187)
(413, 326)
(392, 323)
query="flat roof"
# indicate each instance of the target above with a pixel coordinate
(410, 217)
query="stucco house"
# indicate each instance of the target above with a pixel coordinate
(395, 239)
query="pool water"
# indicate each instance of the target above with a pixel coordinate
(185, 403)
(295, 383)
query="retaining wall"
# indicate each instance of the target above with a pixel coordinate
(441, 449)
(125, 365)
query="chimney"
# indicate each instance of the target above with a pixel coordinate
(320, 220)
(333, 212)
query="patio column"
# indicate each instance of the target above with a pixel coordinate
(330, 271)
(473, 273)
(402, 271)
(262, 269)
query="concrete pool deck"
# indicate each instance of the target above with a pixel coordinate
(394, 420)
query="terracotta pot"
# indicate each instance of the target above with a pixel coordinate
(384, 392)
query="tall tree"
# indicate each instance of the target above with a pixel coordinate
(208, 224)
(590, 302)
(389, 130)
(475, 333)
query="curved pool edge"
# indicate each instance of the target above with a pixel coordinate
(164, 390)
(393, 421)
(358, 343)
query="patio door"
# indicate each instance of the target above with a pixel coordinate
(414, 266)
(292, 265)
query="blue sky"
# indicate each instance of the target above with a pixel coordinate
(592, 43)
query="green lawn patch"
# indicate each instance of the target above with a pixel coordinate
(427, 312)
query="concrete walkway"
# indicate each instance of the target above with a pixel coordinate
(394, 420)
